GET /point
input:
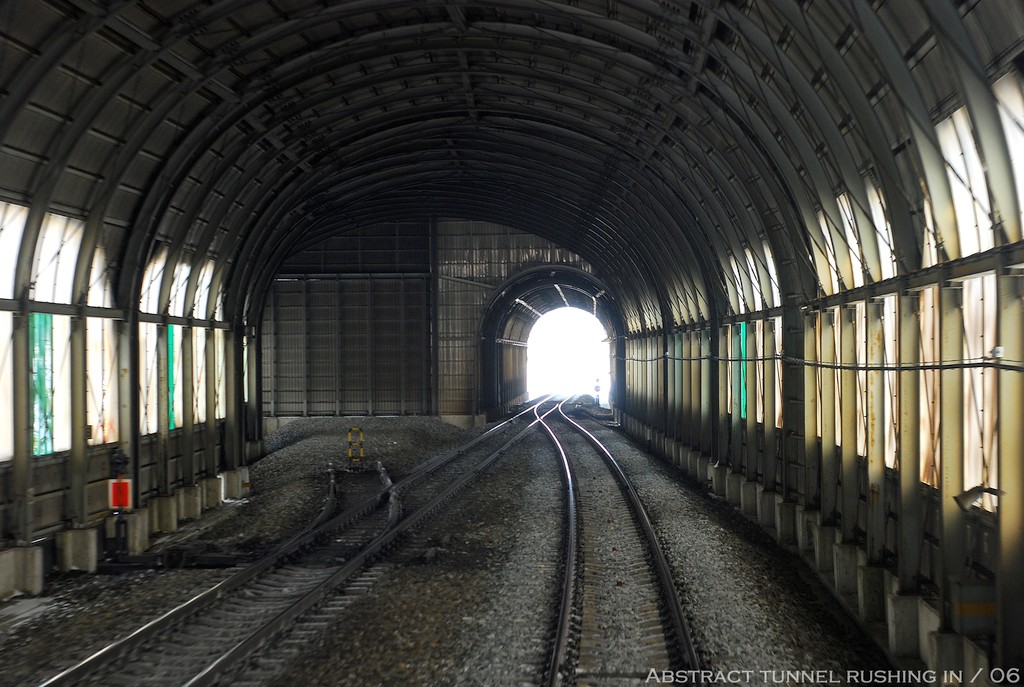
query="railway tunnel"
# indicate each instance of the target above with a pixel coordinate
(798, 221)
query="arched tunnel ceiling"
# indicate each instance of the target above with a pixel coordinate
(657, 140)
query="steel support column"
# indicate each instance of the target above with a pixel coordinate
(164, 480)
(952, 437)
(210, 457)
(909, 445)
(810, 489)
(21, 463)
(752, 394)
(876, 432)
(710, 408)
(77, 510)
(770, 472)
(831, 320)
(736, 409)
(234, 455)
(188, 409)
(1010, 573)
(849, 412)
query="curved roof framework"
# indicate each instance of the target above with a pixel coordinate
(690, 151)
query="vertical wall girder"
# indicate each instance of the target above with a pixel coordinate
(1010, 573)
(771, 459)
(830, 322)
(876, 433)
(77, 502)
(751, 393)
(911, 518)
(951, 332)
(850, 412)
(810, 486)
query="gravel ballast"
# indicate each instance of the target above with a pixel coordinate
(474, 607)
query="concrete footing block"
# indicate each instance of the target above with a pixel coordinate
(947, 651)
(163, 514)
(976, 664)
(748, 498)
(785, 521)
(78, 549)
(870, 589)
(8, 573)
(190, 503)
(806, 524)
(901, 621)
(212, 488)
(844, 567)
(928, 622)
(824, 552)
(718, 474)
(21, 571)
(695, 467)
(236, 483)
(765, 506)
(733, 487)
(678, 453)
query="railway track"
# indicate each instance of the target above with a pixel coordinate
(619, 614)
(210, 637)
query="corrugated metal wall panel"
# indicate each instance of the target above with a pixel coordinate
(347, 346)
(356, 344)
(290, 335)
(322, 340)
(485, 255)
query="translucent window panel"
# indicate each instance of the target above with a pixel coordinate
(101, 380)
(728, 368)
(62, 382)
(852, 238)
(742, 366)
(967, 179)
(755, 280)
(778, 371)
(891, 380)
(830, 281)
(12, 225)
(174, 371)
(759, 363)
(178, 287)
(40, 332)
(203, 289)
(930, 251)
(149, 301)
(1010, 94)
(883, 230)
(199, 375)
(981, 457)
(818, 372)
(773, 275)
(245, 370)
(837, 377)
(931, 449)
(861, 327)
(219, 338)
(53, 272)
(50, 382)
(148, 378)
(6, 387)
(99, 283)
(741, 301)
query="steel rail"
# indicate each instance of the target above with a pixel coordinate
(323, 523)
(685, 653)
(308, 601)
(560, 654)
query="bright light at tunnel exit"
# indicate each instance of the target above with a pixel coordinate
(567, 354)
